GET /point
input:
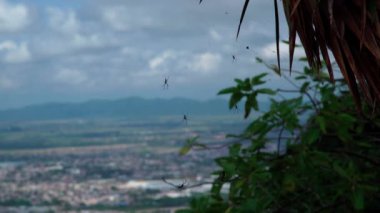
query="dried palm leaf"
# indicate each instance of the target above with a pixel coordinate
(350, 29)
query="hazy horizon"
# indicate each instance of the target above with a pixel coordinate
(216, 98)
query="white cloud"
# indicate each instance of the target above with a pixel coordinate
(83, 41)
(180, 62)
(205, 62)
(121, 18)
(268, 52)
(127, 51)
(161, 59)
(71, 35)
(13, 17)
(215, 35)
(14, 53)
(113, 16)
(127, 47)
(63, 21)
(71, 76)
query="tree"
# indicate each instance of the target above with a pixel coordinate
(326, 158)
(349, 29)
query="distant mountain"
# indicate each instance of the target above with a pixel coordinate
(123, 108)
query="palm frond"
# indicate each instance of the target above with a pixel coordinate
(350, 30)
(246, 3)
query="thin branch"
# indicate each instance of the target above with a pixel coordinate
(315, 104)
(198, 184)
(357, 155)
(291, 82)
(279, 139)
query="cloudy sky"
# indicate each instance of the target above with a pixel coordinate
(76, 50)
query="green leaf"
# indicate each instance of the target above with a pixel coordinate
(322, 123)
(215, 190)
(246, 86)
(340, 170)
(185, 149)
(287, 42)
(227, 90)
(311, 136)
(227, 163)
(259, 127)
(235, 150)
(229, 210)
(266, 91)
(239, 81)
(199, 203)
(302, 77)
(358, 200)
(235, 98)
(189, 145)
(233, 136)
(247, 108)
(343, 134)
(185, 211)
(256, 80)
(228, 166)
(251, 205)
(259, 60)
(346, 118)
(192, 140)
(253, 101)
(236, 187)
(289, 183)
(304, 87)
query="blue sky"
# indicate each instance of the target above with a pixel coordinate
(76, 50)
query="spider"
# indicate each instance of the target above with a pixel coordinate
(185, 119)
(180, 187)
(166, 83)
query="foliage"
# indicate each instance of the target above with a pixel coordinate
(350, 30)
(309, 152)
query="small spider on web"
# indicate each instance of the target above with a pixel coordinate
(185, 119)
(166, 83)
(185, 185)
(179, 187)
(240, 52)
